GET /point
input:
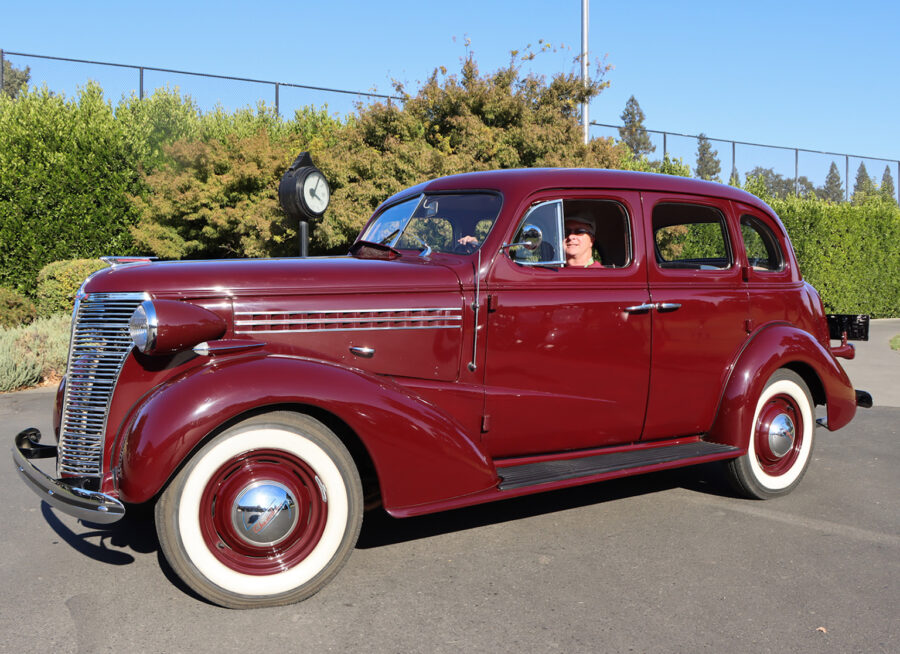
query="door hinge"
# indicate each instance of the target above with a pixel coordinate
(748, 326)
(491, 303)
(485, 424)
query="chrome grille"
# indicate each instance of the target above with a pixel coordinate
(100, 343)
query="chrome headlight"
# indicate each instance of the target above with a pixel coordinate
(144, 327)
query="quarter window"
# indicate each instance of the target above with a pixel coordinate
(761, 245)
(690, 236)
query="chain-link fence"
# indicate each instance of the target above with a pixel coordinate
(801, 168)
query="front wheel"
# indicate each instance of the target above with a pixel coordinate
(264, 514)
(781, 439)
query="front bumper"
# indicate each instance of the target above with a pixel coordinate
(69, 498)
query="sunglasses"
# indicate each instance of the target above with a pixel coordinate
(577, 231)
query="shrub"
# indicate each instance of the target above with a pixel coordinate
(15, 308)
(66, 173)
(58, 282)
(30, 354)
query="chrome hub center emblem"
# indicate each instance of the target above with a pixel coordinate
(781, 435)
(264, 513)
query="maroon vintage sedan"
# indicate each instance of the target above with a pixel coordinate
(490, 335)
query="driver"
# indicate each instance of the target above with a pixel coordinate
(579, 244)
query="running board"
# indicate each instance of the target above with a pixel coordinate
(532, 474)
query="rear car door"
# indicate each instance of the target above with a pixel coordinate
(700, 309)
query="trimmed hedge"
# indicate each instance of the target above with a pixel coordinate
(15, 308)
(850, 253)
(58, 282)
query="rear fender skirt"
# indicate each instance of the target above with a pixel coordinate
(421, 455)
(773, 347)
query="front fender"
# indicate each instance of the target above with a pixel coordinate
(773, 347)
(420, 454)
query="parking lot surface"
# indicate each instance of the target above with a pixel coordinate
(670, 562)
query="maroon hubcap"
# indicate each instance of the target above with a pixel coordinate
(278, 533)
(778, 435)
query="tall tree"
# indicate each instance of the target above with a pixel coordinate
(14, 79)
(887, 185)
(833, 191)
(633, 132)
(780, 186)
(708, 164)
(865, 186)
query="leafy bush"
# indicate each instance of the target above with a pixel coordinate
(848, 252)
(15, 308)
(58, 282)
(66, 172)
(33, 353)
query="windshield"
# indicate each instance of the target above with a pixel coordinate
(451, 222)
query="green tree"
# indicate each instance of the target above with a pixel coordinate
(633, 132)
(865, 186)
(735, 179)
(886, 189)
(708, 165)
(779, 186)
(14, 79)
(833, 191)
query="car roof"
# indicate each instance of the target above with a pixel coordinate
(526, 180)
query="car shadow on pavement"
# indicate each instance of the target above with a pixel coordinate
(134, 532)
(380, 529)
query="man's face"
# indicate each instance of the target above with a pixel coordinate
(579, 240)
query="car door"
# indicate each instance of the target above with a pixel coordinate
(567, 366)
(700, 309)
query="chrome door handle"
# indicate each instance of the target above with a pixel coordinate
(638, 308)
(364, 352)
(662, 307)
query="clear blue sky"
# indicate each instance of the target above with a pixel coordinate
(815, 75)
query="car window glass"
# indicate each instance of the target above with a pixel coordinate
(612, 238)
(690, 236)
(761, 245)
(437, 222)
(539, 237)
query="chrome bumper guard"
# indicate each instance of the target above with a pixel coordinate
(72, 500)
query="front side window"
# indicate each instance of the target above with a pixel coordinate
(566, 227)
(763, 252)
(450, 222)
(690, 236)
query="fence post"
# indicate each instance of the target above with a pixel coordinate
(664, 146)
(737, 177)
(141, 83)
(846, 178)
(2, 66)
(796, 171)
(897, 183)
(277, 110)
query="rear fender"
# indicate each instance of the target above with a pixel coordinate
(420, 454)
(773, 347)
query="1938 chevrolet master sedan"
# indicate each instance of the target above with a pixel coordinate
(452, 358)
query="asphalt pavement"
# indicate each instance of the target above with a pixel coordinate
(669, 562)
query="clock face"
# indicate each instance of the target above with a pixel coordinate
(316, 193)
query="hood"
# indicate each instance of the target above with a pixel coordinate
(314, 275)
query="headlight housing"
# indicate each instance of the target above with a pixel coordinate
(169, 326)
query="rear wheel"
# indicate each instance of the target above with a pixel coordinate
(781, 439)
(264, 514)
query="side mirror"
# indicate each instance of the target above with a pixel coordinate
(530, 238)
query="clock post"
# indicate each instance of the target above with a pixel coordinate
(304, 195)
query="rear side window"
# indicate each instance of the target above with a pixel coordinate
(763, 251)
(690, 236)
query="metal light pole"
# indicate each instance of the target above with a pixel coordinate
(585, 120)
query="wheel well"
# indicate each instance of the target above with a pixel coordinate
(811, 379)
(364, 464)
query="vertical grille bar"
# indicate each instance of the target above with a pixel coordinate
(100, 342)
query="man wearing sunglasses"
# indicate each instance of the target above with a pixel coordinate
(579, 244)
